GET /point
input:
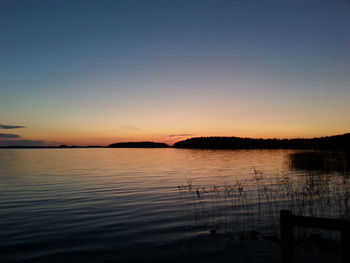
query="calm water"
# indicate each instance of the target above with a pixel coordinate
(119, 205)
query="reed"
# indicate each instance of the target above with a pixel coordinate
(253, 205)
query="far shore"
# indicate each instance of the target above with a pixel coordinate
(337, 142)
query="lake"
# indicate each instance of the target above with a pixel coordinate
(132, 205)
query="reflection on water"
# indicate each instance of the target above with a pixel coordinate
(122, 205)
(320, 161)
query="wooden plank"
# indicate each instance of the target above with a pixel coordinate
(323, 223)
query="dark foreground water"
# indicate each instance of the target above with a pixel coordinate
(123, 205)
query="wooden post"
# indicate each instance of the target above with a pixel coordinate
(286, 232)
(287, 221)
(345, 245)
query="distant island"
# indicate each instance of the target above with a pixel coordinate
(337, 142)
(63, 146)
(138, 145)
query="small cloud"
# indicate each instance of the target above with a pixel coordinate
(8, 135)
(132, 128)
(7, 127)
(180, 135)
(21, 143)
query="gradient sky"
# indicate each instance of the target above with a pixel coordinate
(97, 72)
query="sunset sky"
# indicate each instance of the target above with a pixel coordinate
(97, 72)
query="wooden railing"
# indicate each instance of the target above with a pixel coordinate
(288, 220)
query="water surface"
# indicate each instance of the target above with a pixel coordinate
(120, 205)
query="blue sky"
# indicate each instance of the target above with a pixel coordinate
(85, 72)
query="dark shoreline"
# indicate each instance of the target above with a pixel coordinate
(333, 143)
(337, 142)
(50, 147)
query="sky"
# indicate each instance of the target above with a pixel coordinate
(96, 72)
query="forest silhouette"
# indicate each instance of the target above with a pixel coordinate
(337, 142)
(138, 145)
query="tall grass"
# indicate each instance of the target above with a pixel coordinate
(254, 204)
